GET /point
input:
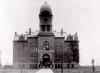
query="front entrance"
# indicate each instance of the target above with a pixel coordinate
(45, 61)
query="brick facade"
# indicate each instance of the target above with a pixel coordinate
(35, 49)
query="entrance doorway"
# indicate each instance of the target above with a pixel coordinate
(46, 60)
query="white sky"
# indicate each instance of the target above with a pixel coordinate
(81, 16)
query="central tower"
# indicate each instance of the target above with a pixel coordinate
(45, 18)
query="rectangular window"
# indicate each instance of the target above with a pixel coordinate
(19, 66)
(36, 58)
(19, 58)
(23, 59)
(23, 49)
(31, 66)
(35, 66)
(61, 65)
(72, 65)
(68, 65)
(23, 65)
(19, 49)
(33, 58)
(30, 57)
(23, 55)
(43, 28)
(48, 28)
(56, 66)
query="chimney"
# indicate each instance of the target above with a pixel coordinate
(15, 33)
(61, 31)
(29, 31)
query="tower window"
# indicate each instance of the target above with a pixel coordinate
(48, 28)
(43, 28)
(45, 19)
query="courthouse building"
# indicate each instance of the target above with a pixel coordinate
(45, 47)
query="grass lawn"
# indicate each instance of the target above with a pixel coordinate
(18, 70)
(83, 70)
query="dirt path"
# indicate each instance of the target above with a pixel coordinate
(45, 71)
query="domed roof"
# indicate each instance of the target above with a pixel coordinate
(45, 7)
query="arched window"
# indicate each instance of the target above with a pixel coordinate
(46, 45)
(33, 47)
(58, 47)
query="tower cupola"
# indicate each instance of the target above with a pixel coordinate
(45, 7)
(45, 18)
